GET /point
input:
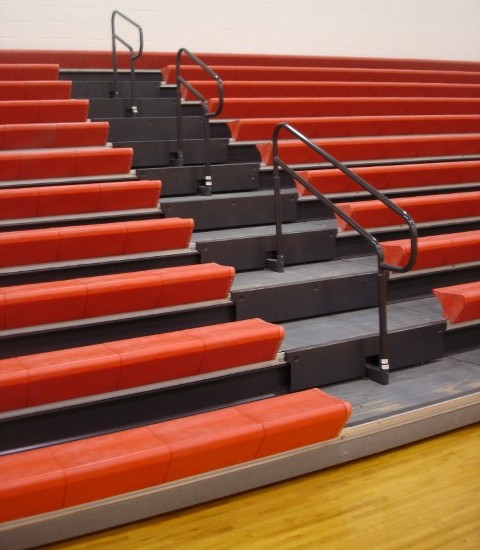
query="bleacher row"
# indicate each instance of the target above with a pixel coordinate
(45, 138)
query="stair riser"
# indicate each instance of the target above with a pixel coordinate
(289, 302)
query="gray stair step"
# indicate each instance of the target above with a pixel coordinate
(107, 74)
(334, 348)
(104, 89)
(228, 210)
(150, 128)
(101, 108)
(248, 248)
(153, 153)
(305, 290)
(184, 180)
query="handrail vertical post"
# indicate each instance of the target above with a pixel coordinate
(278, 263)
(114, 57)
(133, 109)
(381, 373)
(207, 188)
(179, 160)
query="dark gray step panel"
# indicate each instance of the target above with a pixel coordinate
(184, 180)
(116, 327)
(461, 337)
(305, 291)
(59, 271)
(336, 348)
(238, 152)
(150, 128)
(107, 74)
(220, 211)
(249, 247)
(69, 420)
(80, 219)
(104, 89)
(101, 108)
(160, 153)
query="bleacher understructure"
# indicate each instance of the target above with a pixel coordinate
(150, 359)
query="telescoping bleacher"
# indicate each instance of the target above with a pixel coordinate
(150, 358)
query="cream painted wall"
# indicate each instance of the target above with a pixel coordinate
(430, 29)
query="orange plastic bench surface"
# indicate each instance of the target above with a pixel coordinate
(28, 71)
(60, 301)
(422, 209)
(31, 380)
(460, 303)
(18, 90)
(59, 244)
(297, 88)
(43, 110)
(262, 107)
(55, 200)
(394, 177)
(66, 134)
(364, 148)
(42, 480)
(436, 250)
(318, 74)
(39, 164)
(255, 129)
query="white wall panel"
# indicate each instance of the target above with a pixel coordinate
(438, 29)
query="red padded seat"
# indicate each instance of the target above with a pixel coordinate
(31, 380)
(21, 90)
(60, 301)
(28, 71)
(43, 110)
(66, 134)
(426, 208)
(460, 303)
(436, 250)
(394, 176)
(41, 480)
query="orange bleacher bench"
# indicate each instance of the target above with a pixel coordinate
(51, 478)
(43, 110)
(60, 244)
(319, 74)
(255, 129)
(394, 177)
(60, 301)
(422, 209)
(261, 107)
(436, 250)
(297, 88)
(39, 164)
(59, 200)
(24, 90)
(31, 380)
(372, 148)
(66, 134)
(28, 71)
(460, 303)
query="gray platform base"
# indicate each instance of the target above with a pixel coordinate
(355, 442)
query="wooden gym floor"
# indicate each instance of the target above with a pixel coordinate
(421, 496)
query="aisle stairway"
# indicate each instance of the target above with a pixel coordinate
(143, 308)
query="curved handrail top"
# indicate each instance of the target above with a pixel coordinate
(362, 183)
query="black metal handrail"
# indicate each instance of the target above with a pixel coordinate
(207, 187)
(278, 264)
(133, 57)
